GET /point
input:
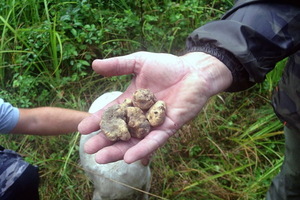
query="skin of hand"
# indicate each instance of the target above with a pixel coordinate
(48, 121)
(185, 83)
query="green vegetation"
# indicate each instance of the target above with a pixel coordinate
(233, 148)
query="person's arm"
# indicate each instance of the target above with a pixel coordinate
(48, 121)
(250, 39)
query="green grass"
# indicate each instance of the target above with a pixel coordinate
(231, 150)
(227, 152)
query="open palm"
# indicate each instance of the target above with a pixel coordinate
(175, 80)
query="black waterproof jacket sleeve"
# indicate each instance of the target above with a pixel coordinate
(250, 39)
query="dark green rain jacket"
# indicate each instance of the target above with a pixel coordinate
(250, 39)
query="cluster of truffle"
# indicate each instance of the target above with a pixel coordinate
(134, 117)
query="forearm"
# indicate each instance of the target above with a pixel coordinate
(48, 121)
(256, 36)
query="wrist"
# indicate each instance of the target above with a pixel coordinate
(215, 75)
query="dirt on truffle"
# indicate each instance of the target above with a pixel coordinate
(133, 118)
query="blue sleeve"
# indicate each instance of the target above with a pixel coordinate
(9, 117)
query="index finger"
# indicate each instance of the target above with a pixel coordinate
(147, 146)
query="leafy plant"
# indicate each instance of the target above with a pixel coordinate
(231, 150)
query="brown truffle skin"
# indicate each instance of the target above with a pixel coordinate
(113, 123)
(115, 111)
(143, 98)
(126, 103)
(156, 115)
(128, 119)
(115, 129)
(137, 122)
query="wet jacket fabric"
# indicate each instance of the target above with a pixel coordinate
(12, 167)
(250, 39)
(18, 179)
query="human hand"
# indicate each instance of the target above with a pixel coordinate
(185, 83)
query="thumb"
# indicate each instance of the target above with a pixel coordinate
(115, 66)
